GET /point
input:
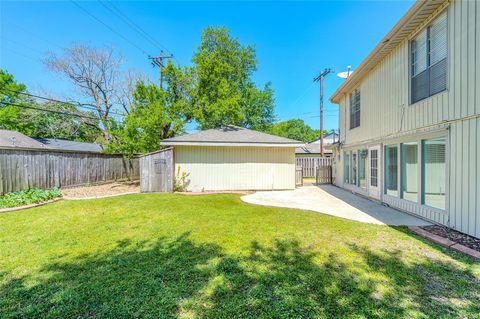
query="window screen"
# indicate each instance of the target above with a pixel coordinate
(409, 169)
(391, 170)
(429, 60)
(434, 172)
(355, 109)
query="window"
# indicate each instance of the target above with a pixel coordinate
(433, 171)
(353, 179)
(355, 109)
(362, 154)
(391, 170)
(409, 170)
(429, 60)
(346, 167)
(374, 168)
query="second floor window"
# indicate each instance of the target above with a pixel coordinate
(355, 109)
(429, 60)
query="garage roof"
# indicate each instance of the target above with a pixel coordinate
(231, 135)
(17, 139)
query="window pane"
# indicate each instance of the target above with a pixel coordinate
(420, 86)
(354, 169)
(361, 168)
(391, 171)
(438, 39)
(419, 53)
(409, 169)
(374, 168)
(438, 77)
(434, 172)
(346, 167)
(355, 109)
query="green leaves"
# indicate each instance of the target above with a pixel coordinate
(29, 196)
(225, 92)
(295, 129)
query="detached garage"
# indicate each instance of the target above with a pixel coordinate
(234, 158)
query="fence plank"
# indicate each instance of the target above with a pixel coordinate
(21, 169)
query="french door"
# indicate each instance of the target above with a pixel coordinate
(374, 174)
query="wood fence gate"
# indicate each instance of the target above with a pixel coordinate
(318, 167)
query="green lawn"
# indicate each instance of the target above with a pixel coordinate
(166, 256)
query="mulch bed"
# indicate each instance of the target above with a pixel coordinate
(453, 235)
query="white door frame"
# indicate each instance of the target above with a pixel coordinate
(374, 191)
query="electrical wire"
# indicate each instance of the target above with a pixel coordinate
(47, 110)
(134, 26)
(76, 104)
(108, 27)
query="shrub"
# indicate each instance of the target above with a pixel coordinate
(180, 182)
(28, 196)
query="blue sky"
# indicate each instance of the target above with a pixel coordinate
(293, 40)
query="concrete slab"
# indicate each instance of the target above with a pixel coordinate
(332, 200)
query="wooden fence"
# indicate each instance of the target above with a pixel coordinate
(310, 165)
(298, 176)
(324, 174)
(25, 168)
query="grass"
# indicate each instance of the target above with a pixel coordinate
(169, 256)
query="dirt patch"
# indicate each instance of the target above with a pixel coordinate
(103, 190)
(455, 236)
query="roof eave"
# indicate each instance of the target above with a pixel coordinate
(392, 37)
(231, 144)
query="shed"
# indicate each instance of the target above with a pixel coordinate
(156, 171)
(234, 158)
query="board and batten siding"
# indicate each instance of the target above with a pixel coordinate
(386, 114)
(236, 168)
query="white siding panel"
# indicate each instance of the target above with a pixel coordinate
(386, 112)
(236, 168)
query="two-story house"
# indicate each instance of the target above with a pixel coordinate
(410, 117)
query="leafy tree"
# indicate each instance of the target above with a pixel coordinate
(295, 129)
(38, 123)
(155, 114)
(225, 92)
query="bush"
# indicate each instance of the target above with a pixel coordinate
(28, 196)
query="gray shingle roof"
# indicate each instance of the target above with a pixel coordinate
(17, 139)
(229, 134)
(65, 145)
(311, 149)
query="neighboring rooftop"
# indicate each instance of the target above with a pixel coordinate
(17, 139)
(231, 136)
(329, 138)
(65, 145)
(416, 17)
(312, 149)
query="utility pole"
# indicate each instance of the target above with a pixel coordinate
(158, 61)
(319, 78)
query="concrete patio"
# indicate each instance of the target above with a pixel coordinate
(332, 200)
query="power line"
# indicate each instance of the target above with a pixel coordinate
(76, 104)
(33, 34)
(114, 9)
(107, 26)
(47, 110)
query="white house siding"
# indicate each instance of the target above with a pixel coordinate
(236, 168)
(387, 115)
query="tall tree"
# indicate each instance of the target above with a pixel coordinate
(96, 74)
(295, 129)
(225, 92)
(14, 115)
(155, 114)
